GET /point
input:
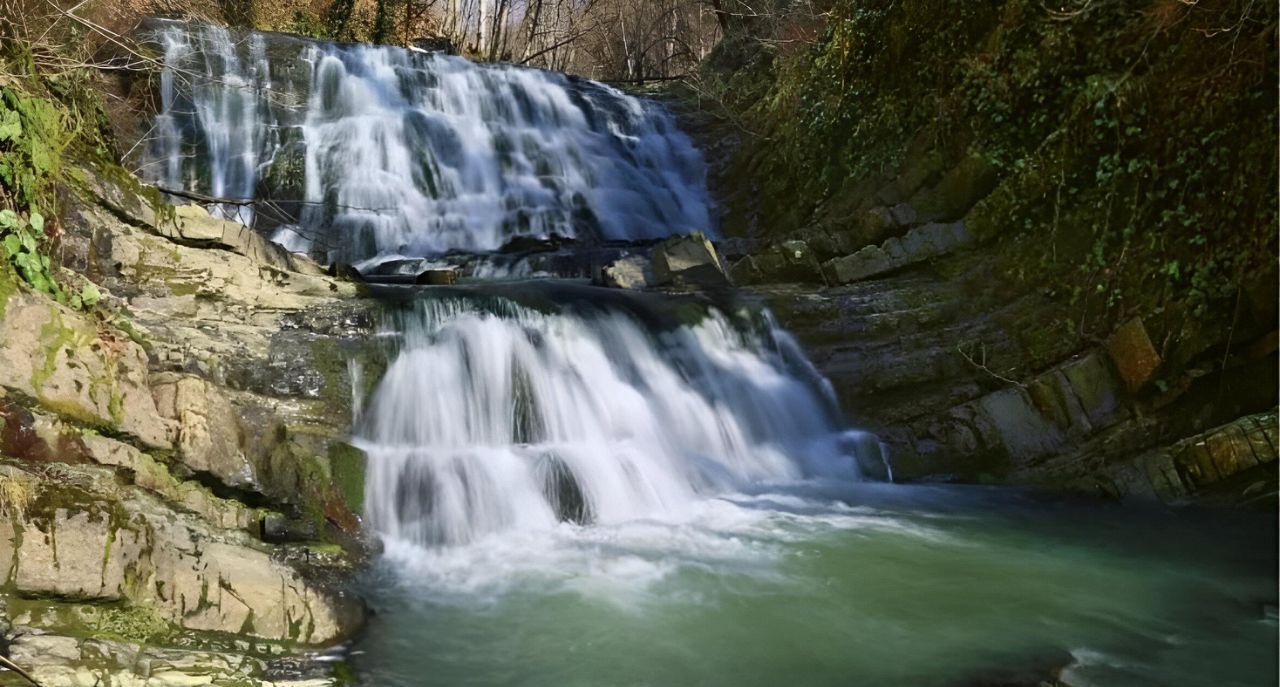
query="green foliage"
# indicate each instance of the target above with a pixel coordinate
(22, 247)
(1136, 147)
(237, 12)
(36, 134)
(337, 20)
(384, 21)
(10, 125)
(304, 24)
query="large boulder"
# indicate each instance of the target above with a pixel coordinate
(688, 261)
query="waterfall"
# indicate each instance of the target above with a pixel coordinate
(497, 417)
(497, 414)
(210, 112)
(359, 152)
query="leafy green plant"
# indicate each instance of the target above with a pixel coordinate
(37, 133)
(22, 243)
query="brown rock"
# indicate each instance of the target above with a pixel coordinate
(1133, 353)
(437, 277)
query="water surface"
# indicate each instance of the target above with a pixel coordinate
(836, 583)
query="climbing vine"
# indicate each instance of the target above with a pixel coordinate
(1135, 145)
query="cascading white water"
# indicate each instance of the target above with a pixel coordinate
(210, 111)
(379, 152)
(494, 419)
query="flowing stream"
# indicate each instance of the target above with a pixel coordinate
(578, 486)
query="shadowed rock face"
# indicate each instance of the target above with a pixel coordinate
(980, 387)
(991, 311)
(563, 492)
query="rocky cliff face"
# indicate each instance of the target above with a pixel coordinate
(179, 503)
(1024, 245)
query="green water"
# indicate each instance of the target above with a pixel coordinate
(840, 585)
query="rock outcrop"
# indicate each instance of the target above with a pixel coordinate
(688, 260)
(70, 365)
(151, 448)
(680, 262)
(208, 436)
(914, 247)
(1035, 270)
(81, 536)
(967, 381)
(627, 272)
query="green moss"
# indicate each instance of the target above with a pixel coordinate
(328, 359)
(38, 134)
(125, 325)
(54, 336)
(123, 622)
(69, 345)
(332, 551)
(133, 624)
(348, 465)
(8, 286)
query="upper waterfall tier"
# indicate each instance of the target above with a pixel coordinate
(356, 152)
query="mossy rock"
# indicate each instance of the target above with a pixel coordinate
(347, 465)
(960, 188)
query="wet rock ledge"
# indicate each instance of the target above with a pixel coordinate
(178, 504)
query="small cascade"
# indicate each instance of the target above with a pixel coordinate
(496, 417)
(207, 134)
(372, 153)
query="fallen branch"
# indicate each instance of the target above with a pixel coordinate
(10, 665)
(645, 79)
(982, 365)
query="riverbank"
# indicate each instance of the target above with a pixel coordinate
(180, 503)
(1026, 248)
